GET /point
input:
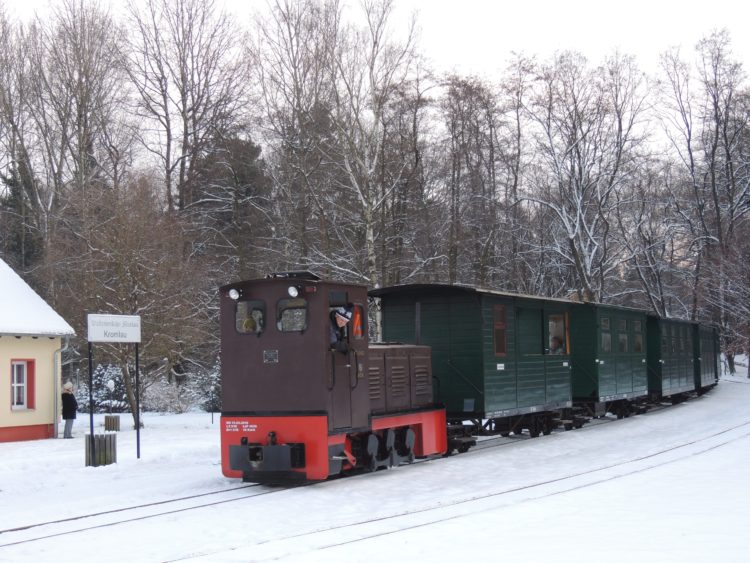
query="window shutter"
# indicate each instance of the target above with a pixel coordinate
(30, 385)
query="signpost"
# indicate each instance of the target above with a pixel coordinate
(115, 328)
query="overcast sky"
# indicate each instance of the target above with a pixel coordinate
(478, 36)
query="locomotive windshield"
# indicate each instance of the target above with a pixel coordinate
(250, 317)
(292, 315)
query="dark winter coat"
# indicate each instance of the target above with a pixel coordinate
(70, 405)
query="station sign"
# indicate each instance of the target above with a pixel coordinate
(114, 328)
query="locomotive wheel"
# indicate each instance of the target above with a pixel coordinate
(403, 450)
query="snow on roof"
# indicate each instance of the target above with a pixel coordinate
(23, 312)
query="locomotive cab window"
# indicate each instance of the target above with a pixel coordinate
(250, 317)
(291, 315)
(358, 323)
(355, 328)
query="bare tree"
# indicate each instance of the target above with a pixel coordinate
(587, 139)
(291, 55)
(185, 66)
(369, 67)
(707, 119)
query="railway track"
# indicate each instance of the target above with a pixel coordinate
(369, 528)
(65, 526)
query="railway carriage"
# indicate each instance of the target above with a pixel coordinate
(609, 358)
(707, 357)
(294, 408)
(492, 352)
(671, 358)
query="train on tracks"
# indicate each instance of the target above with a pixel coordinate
(307, 396)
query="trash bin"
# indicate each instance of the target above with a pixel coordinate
(112, 422)
(105, 449)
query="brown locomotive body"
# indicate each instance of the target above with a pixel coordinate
(297, 407)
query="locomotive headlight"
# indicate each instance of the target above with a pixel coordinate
(292, 291)
(234, 294)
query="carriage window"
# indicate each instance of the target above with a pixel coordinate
(637, 337)
(250, 317)
(637, 342)
(291, 315)
(498, 312)
(623, 341)
(606, 336)
(558, 334)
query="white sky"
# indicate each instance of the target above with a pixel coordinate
(478, 36)
(670, 486)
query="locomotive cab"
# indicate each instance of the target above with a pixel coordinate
(304, 396)
(282, 381)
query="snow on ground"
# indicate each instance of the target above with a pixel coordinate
(667, 486)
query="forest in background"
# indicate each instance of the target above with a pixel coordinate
(149, 157)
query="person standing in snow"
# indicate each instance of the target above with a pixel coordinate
(69, 407)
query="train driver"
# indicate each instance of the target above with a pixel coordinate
(340, 317)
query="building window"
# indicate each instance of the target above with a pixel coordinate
(22, 385)
(500, 336)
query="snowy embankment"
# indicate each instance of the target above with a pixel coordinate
(670, 485)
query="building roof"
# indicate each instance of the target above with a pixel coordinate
(23, 312)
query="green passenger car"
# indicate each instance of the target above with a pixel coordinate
(707, 357)
(671, 357)
(609, 358)
(495, 356)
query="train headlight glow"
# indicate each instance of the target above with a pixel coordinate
(234, 294)
(293, 291)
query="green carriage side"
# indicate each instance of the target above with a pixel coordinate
(707, 357)
(671, 357)
(491, 351)
(609, 358)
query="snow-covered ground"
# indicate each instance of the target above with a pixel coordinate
(671, 485)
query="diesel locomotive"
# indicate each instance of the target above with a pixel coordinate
(305, 399)
(297, 408)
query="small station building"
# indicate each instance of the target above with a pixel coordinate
(32, 335)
